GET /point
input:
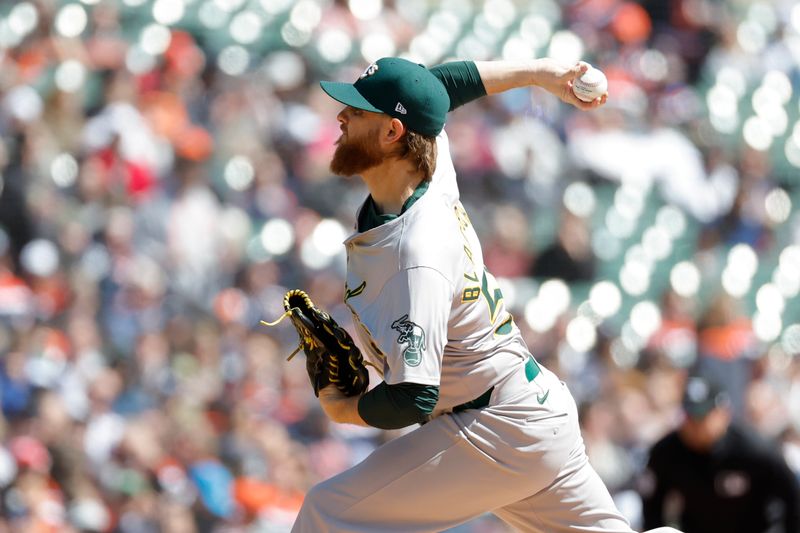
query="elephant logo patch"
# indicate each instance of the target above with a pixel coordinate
(412, 335)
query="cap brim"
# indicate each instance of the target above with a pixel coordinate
(348, 95)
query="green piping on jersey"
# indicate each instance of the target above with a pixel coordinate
(505, 327)
(348, 293)
(369, 217)
(469, 254)
(493, 297)
(532, 369)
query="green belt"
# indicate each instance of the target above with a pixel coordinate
(531, 371)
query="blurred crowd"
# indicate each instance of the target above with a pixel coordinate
(164, 180)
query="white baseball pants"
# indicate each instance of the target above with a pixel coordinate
(518, 458)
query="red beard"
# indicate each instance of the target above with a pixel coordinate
(352, 157)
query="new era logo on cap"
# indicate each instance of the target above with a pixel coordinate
(400, 109)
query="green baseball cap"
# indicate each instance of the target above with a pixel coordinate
(399, 88)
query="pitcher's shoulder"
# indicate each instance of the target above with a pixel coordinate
(431, 237)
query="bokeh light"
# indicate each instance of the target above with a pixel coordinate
(539, 316)
(168, 12)
(672, 220)
(778, 205)
(722, 101)
(235, 226)
(138, 61)
(499, 13)
(769, 299)
(274, 7)
(685, 279)
(294, 36)
(605, 299)
(645, 319)
(71, 20)
(657, 243)
(212, 16)
(334, 45)
(758, 133)
(305, 15)
(233, 60)
(743, 259)
(154, 39)
(365, 9)
(735, 281)
(566, 46)
(792, 147)
(579, 199)
(246, 27)
(554, 293)
(751, 36)
(629, 202)
(605, 245)
(517, 49)
(285, 69)
(634, 277)
(23, 18)
(70, 76)
(376, 45)
(581, 334)
(654, 65)
(231, 6)
(64, 170)
(618, 225)
(328, 236)
(790, 341)
(239, 173)
(536, 31)
(622, 355)
(767, 326)
(40, 257)
(733, 78)
(277, 236)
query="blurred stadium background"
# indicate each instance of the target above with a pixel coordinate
(163, 181)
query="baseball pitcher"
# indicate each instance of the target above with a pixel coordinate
(498, 431)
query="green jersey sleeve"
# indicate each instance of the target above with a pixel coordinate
(398, 406)
(462, 81)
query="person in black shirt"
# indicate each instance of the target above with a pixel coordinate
(714, 476)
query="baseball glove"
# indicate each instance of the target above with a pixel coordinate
(331, 354)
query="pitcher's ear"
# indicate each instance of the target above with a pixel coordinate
(395, 131)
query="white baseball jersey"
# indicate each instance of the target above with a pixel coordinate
(426, 310)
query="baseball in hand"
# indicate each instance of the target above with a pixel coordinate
(593, 84)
